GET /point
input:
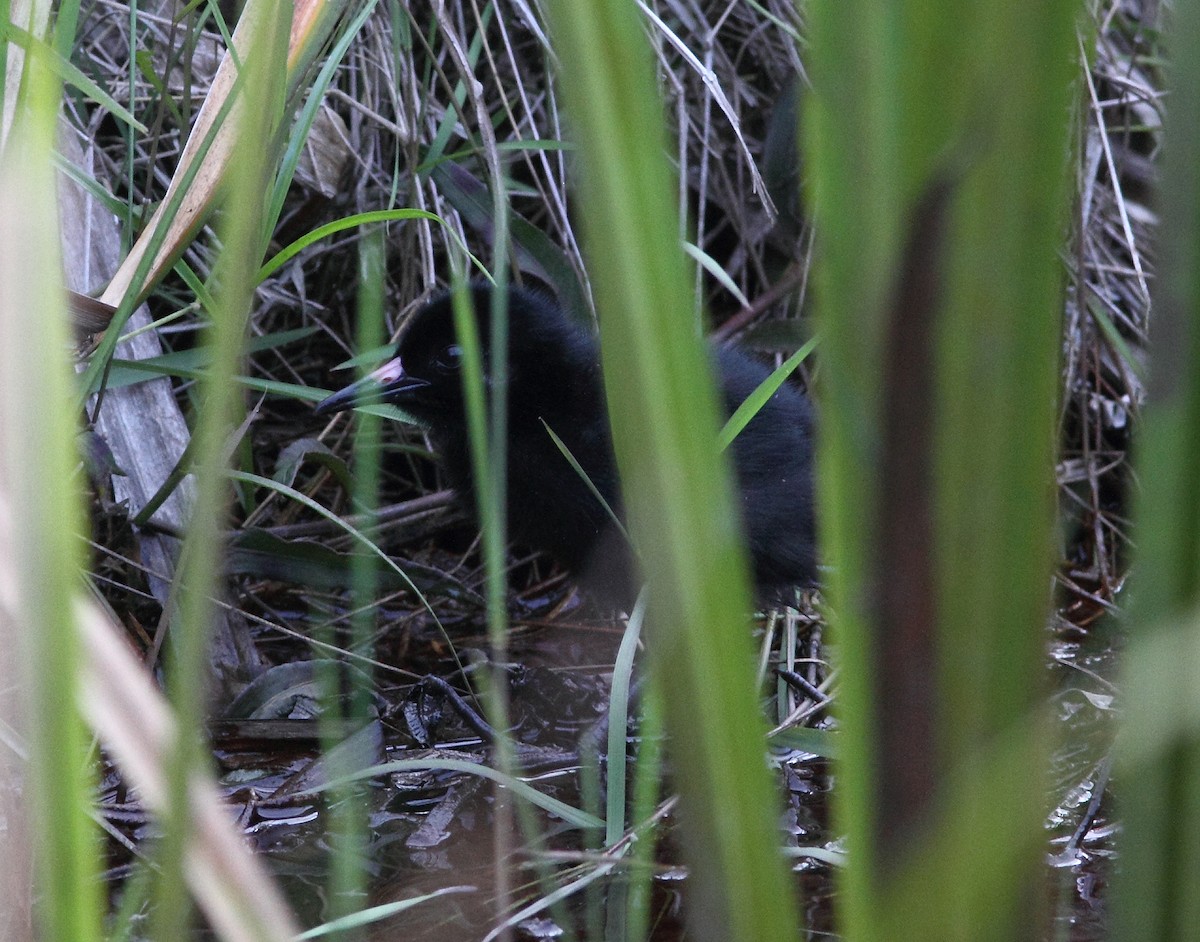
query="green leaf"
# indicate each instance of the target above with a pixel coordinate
(534, 251)
(757, 399)
(560, 809)
(68, 73)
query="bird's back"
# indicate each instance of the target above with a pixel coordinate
(773, 460)
(555, 381)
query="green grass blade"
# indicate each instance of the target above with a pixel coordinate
(595, 491)
(372, 914)
(1160, 743)
(341, 225)
(618, 723)
(67, 73)
(560, 809)
(316, 96)
(264, 68)
(757, 399)
(349, 819)
(41, 516)
(939, 195)
(677, 488)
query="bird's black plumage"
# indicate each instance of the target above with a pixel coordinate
(554, 377)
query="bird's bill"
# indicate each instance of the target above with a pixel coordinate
(382, 384)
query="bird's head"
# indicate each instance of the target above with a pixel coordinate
(423, 376)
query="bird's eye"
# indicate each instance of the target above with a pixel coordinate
(450, 359)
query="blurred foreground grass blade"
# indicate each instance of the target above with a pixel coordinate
(131, 716)
(677, 486)
(940, 212)
(33, 16)
(236, 270)
(41, 510)
(349, 811)
(67, 73)
(1155, 894)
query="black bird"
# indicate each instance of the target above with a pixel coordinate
(554, 377)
